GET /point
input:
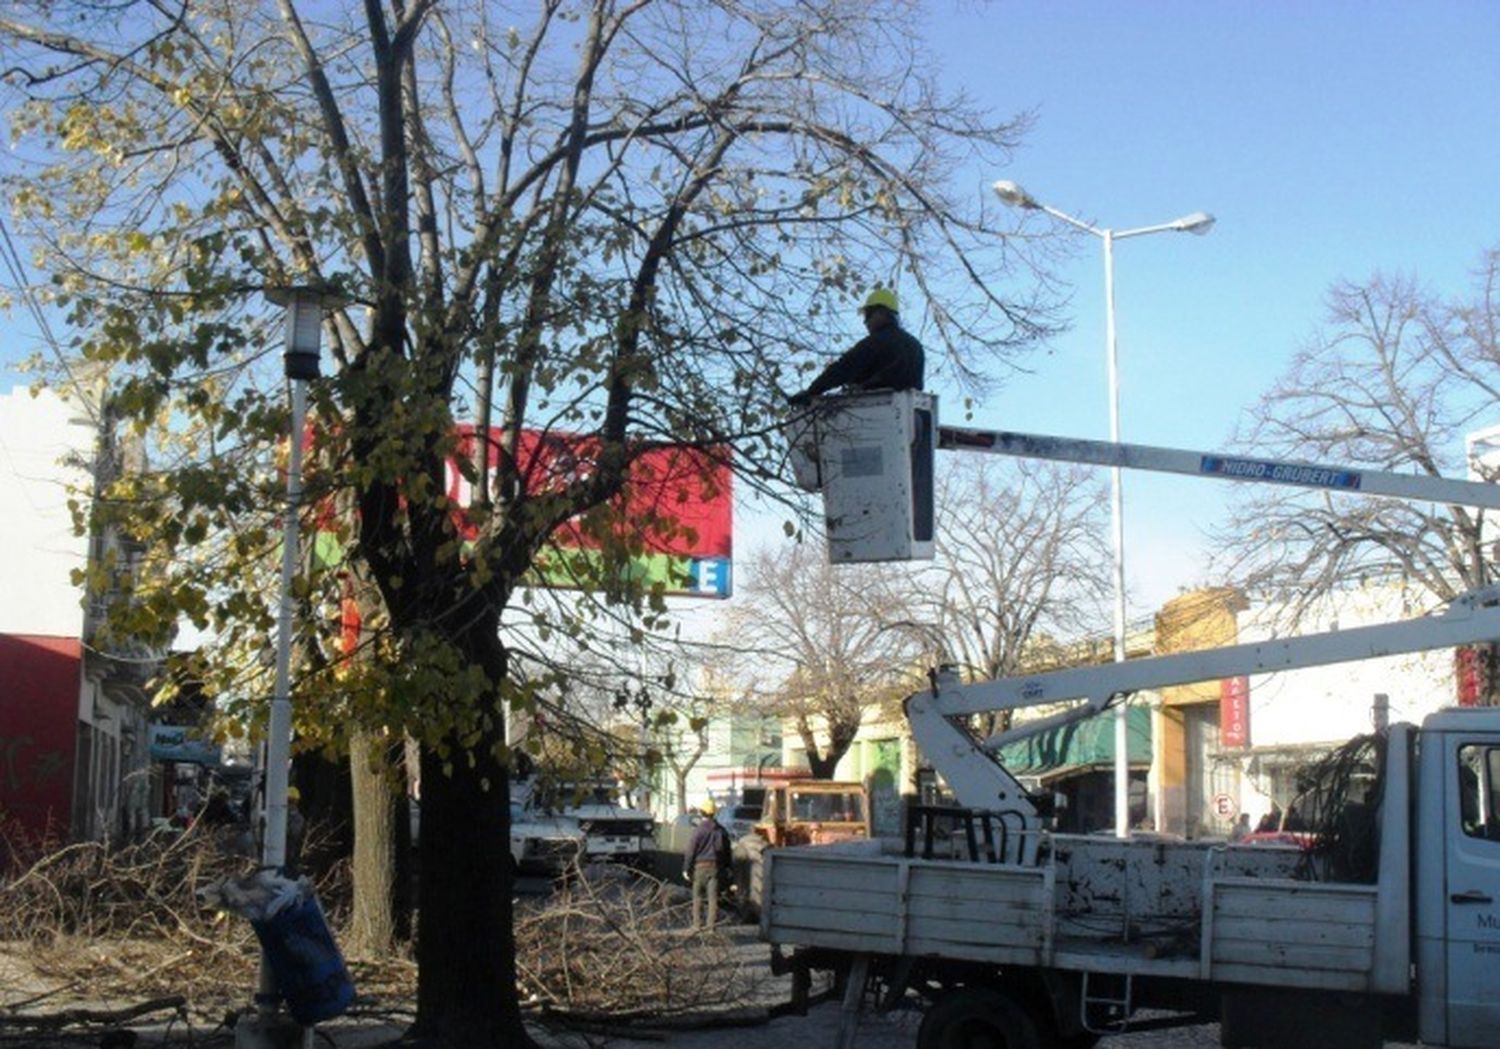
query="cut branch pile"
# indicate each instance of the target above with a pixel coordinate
(101, 929)
(616, 945)
(125, 921)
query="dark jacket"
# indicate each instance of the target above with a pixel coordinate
(709, 844)
(889, 358)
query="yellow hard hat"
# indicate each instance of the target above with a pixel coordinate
(708, 808)
(293, 794)
(882, 297)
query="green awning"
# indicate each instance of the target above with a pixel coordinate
(1079, 746)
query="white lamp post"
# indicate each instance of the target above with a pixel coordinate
(304, 334)
(1198, 222)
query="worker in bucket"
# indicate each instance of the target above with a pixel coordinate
(888, 358)
(707, 856)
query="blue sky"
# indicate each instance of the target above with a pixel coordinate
(1330, 140)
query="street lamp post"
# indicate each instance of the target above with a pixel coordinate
(1199, 223)
(304, 335)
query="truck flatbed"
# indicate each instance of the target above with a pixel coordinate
(1099, 905)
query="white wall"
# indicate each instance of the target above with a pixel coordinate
(1331, 704)
(36, 531)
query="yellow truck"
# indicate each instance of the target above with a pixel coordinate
(802, 812)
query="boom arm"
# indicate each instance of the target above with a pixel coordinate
(1417, 487)
(874, 466)
(978, 781)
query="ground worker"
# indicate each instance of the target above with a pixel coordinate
(888, 358)
(707, 854)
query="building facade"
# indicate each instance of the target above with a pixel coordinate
(54, 670)
(1229, 752)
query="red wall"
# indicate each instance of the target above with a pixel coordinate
(39, 682)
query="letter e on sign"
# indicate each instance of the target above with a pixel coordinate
(1225, 807)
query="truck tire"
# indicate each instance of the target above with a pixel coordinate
(978, 1018)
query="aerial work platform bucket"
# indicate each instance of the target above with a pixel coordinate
(871, 455)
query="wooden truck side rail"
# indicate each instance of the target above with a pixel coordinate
(1259, 929)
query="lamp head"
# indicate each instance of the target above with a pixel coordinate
(1199, 222)
(304, 306)
(1012, 194)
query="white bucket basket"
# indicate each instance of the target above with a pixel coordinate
(872, 456)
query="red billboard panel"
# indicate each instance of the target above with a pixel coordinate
(39, 683)
(1234, 713)
(676, 513)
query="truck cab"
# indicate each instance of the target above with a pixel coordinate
(613, 832)
(1457, 860)
(814, 812)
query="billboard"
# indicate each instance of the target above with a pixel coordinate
(673, 521)
(675, 516)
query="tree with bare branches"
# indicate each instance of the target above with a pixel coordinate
(821, 643)
(1021, 556)
(1395, 379)
(627, 221)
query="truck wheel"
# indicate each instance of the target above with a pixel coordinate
(978, 1018)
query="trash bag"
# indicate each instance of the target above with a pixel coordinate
(300, 951)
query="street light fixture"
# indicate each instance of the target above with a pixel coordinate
(1199, 223)
(304, 307)
(304, 336)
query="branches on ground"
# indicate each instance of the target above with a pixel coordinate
(615, 944)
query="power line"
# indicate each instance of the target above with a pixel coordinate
(17, 269)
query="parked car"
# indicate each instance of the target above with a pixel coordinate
(612, 831)
(543, 843)
(673, 835)
(740, 820)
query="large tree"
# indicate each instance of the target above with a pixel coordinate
(1396, 378)
(1021, 559)
(624, 219)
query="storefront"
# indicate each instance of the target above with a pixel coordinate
(1077, 762)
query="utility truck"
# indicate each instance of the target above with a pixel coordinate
(1039, 940)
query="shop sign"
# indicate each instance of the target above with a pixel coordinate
(177, 743)
(1234, 713)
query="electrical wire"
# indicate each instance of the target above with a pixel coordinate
(17, 270)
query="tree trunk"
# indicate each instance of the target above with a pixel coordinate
(326, 806)
(822, 766)
(840, 735)
(466, 975)
(382, 838)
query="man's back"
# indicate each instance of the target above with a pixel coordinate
(709, 842)
(888, 358)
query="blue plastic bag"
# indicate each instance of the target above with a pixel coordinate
(309, 971)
